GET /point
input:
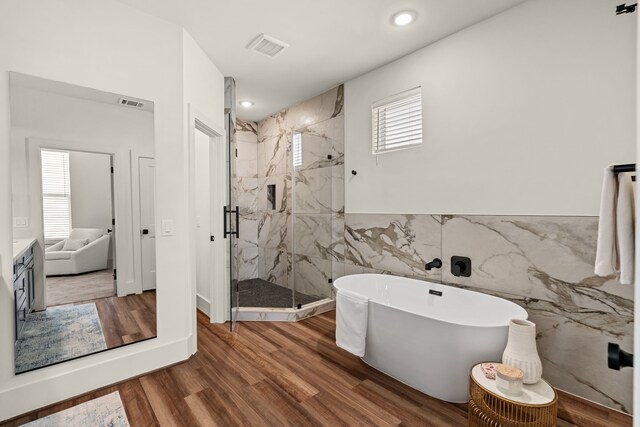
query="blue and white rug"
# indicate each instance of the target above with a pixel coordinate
(105, 411)
(59, 333)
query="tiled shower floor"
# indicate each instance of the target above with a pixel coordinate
(260, 293)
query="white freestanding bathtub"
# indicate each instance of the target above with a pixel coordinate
(428, 335)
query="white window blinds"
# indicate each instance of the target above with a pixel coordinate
(397, 121)
(297, 149)
(56, 194)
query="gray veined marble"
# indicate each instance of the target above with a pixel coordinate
(546, 265)
(275, 266)
(401, 244)
(247, 195)
(319, 236)
(272, 155)
(274, 231)
(549, 258)
(311, 276)
(320, 108)
(319, 145)
(273, 126)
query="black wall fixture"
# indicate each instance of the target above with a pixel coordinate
(460, 266)
(618, 358)
(624, 8)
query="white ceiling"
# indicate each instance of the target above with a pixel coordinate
(331, 41)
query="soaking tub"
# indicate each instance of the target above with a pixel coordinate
(428, 335)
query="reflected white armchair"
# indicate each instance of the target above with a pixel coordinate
(91, 256)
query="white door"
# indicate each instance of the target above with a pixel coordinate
(146, 166)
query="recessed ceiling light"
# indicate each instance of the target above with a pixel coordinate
(403, 18)
(246, 104)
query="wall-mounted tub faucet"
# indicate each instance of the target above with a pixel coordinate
(436, 263)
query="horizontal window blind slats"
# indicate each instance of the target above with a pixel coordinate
(394, 112)
(397, 123)
(56, 194)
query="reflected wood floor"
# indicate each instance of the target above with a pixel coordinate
(275, 374)
(127, 319)
(79, 287)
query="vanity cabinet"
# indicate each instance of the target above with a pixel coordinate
(23, 289)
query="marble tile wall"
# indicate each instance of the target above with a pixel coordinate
(545, 264)
(247, 198)
(316, 215)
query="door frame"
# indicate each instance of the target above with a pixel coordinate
(218, 307)
(121, 211)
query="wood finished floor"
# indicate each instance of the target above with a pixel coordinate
(273, 374)
(79, 287)
(129, 319)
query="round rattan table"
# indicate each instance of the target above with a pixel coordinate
(537, 406)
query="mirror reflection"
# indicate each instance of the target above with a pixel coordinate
(83, 185)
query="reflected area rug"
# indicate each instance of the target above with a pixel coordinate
(59, 333)
(101, 412)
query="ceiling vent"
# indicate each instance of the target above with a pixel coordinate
(267, 45)
(130, 103)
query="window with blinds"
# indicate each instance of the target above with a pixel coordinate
(56, 194)
(297, 149)
(397, 121)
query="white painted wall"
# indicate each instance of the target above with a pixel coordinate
(90, 179)
(85, 125)
(204, 96)
(203, 221)
(105, 45)
(521, 113)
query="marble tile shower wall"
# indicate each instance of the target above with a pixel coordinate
(321, 122)
(247, 197)
(542, 263)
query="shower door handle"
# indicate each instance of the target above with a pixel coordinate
(227, 210)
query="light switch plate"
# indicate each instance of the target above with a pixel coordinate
(167, 227)
(20, 221)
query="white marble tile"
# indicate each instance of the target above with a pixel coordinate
(258, 314)
(311, 276)
(548, 258)
(322, 107)
(319, 235)
(272, 126)
(274, 266)
(320, 141)
(247, 263)
(274, 231)
(272, 155)
(247, 195)
(312, 191)
(248, 230)
(400, 244)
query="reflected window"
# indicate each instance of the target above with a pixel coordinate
(297, 150)
(56, 194)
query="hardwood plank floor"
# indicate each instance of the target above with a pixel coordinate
(127, 319)
(279, 374)
(79, 288)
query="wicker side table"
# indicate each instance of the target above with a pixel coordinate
(537, 406)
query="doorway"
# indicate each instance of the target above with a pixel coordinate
(147, 191)
(209, 260)
(78, 213)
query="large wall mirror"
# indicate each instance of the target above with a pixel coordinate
(83, 185)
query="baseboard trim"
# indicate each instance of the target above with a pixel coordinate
(204, 305)
(585, 413)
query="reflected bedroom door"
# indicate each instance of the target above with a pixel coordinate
(147, 222)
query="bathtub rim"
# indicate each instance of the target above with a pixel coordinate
(453, 286)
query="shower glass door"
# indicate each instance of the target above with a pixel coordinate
(313, 162)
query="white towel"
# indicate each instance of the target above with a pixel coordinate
(625, 228)
(352, 312)
(606, 253)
